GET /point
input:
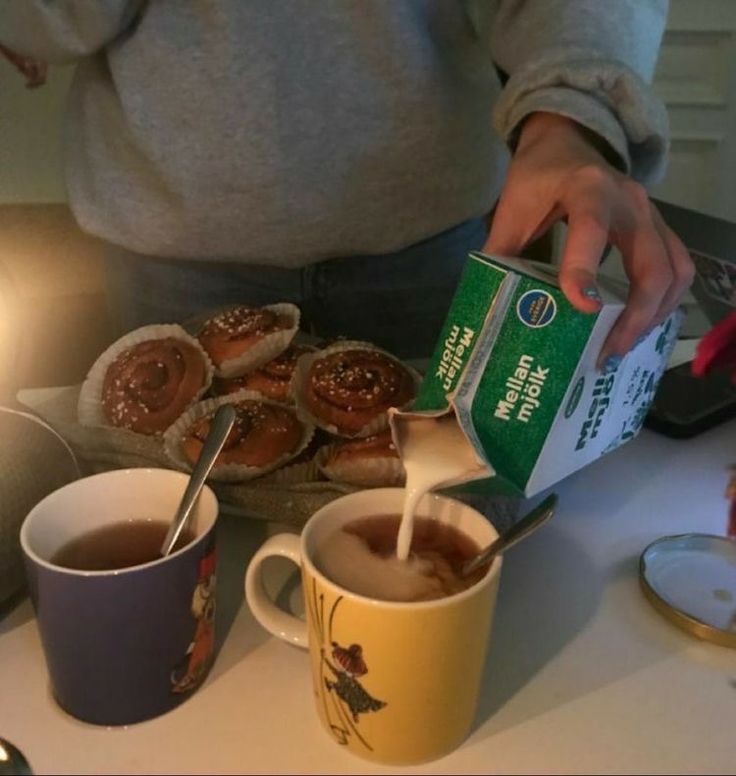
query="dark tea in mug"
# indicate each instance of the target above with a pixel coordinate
(117, 546)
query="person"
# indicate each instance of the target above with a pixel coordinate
(344, 155)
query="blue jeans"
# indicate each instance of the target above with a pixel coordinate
(397, 301)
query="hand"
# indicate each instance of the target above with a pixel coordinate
(33, 69)
(558, 173)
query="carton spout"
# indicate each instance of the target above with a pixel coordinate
(434, 449)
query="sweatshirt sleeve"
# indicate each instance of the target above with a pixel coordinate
(63, 31)
(589, 60)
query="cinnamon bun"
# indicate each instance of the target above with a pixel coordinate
(145, 381)
(243, 338)
(347, 389)
(371, 461)
(265, 436)
(273, 379)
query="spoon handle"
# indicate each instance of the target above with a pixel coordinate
(219, 429)
(530, 522)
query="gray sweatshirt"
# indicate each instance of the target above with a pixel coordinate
(289, 131)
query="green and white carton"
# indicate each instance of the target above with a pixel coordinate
(517, 362)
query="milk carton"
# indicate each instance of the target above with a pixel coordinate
(517, 362)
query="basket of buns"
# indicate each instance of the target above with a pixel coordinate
(311, 418)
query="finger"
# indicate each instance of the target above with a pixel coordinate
(650, 278)
(683, 269)
(587, 237)
(515, 224)
(506, 237)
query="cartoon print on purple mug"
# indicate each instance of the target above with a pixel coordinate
(342, 695)
(192, 669)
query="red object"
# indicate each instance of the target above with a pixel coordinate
(717, 350)
(351, 659)
(207, 566)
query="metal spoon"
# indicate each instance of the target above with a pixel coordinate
(12, 760)
(522, 528)
(219, 429)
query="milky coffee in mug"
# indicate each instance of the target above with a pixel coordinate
(361, 557)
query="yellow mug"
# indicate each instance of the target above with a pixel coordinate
(394, 682)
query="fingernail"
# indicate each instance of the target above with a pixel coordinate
(591, 292)
(611, 364)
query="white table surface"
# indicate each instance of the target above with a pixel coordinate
(583, 675)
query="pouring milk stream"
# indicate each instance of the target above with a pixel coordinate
(435, 453)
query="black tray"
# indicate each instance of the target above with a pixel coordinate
(685, 405)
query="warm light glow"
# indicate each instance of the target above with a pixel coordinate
(4, 754)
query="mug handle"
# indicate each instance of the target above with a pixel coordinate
(286, 626)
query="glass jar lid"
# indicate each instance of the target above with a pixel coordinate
(691, 580)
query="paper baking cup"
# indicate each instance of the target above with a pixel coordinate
(294, 474)
(299, 380)
(90, 411)
(367, 472)
(229, 472)
(265, 349)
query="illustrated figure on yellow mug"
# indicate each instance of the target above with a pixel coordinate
(192, 669)
(346, 685)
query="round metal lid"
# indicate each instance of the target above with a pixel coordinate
(691, 580)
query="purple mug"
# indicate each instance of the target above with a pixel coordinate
(122, 645)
